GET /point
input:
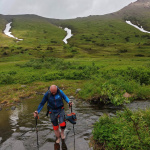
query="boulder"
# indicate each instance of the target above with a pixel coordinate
(77, 90)
(127, 95)
(13, 107)
(71, 97)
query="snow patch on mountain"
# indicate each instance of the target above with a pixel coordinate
(7, 29)
(69, 35)
(141, 29)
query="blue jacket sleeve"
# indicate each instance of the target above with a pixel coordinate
(64, 96)
(42, 102)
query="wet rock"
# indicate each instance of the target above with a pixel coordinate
(94, 117)
(127, 95)
(13, 107)
(7, 109)
(47, 145)
(112, 115)
(23, 86)
(24, 129)
(0, 139)
(100, 113)
(71, 97)
(28, 134)
(77, 90)
(18, 145)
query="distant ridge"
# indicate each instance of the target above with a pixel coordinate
(137, 12)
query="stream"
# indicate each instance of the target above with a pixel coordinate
(17, 127)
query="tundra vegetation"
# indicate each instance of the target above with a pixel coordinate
(106, 58)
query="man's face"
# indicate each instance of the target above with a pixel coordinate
(53, 90)
(54, 93)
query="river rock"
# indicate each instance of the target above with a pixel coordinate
(71, 97)
(23, 86)
(0, 139)
(127, 95)
(13, 107)
(112, 115)
(18, 145)
(77, 90)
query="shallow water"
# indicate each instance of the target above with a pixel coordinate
(17, 127)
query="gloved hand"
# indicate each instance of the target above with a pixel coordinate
(36, 115)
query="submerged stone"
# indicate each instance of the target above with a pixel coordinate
(13, 107)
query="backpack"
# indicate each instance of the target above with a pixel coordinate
(49, 94)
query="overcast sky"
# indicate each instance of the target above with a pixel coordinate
(62, 9)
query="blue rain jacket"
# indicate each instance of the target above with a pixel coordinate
(54, 102)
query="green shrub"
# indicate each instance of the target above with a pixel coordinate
(127, 131)
(6, 78)
(50, 77)
(99, 87)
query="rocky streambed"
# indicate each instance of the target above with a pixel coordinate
(18, 125)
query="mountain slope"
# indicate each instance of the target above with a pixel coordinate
(105, 35)
(34, 29)
(109, 34)
(137, 12)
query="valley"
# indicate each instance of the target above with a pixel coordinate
(107, 57)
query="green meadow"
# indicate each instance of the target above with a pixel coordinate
(106, 56)
(97, 77)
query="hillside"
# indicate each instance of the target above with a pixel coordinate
(109, 35)
(138, 12)
(38, 34)
(94, 36)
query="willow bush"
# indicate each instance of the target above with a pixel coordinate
(127, 131)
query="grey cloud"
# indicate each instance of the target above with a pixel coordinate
(62, 9)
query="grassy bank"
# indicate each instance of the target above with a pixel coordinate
(13, 93)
